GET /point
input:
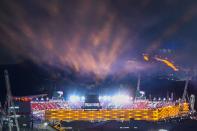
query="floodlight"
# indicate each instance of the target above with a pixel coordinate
(83, 98)
(100, 98)
(45, 124)
(120, 99)
(74, 98)
(105, 98)
(163, 130)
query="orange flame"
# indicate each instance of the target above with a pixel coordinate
(146, 57)
(168, 63)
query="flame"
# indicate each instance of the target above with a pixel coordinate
(168, 63)
(146, 57)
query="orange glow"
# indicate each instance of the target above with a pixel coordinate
(23, 99)
(168, 63)
(146, 57)
(118, 114)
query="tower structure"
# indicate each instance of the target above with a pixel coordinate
(188, 78)
(185, 89)
(192, 102)
(138, 82)
(139, 94)
(10, 103)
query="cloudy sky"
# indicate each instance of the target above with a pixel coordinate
(100, 37)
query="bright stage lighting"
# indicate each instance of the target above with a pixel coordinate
(74, 98)
(142, 93)
(108, 98)
(131, 98)
(83, 98)
(100, 98)
(105, 98)
(60, 93)
(120, 99)
(163, 130)
(45, 124)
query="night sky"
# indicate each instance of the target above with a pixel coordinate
(97, 38)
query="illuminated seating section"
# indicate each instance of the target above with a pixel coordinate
(37, 106)
(173, 111)
(153, 114)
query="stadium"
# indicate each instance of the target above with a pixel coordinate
(98, 65)
(94, 108)
(136, 110)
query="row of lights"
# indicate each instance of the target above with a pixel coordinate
(42, 99)
(75, 98)
(120, 98)
(116, 99)
(159, 99)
